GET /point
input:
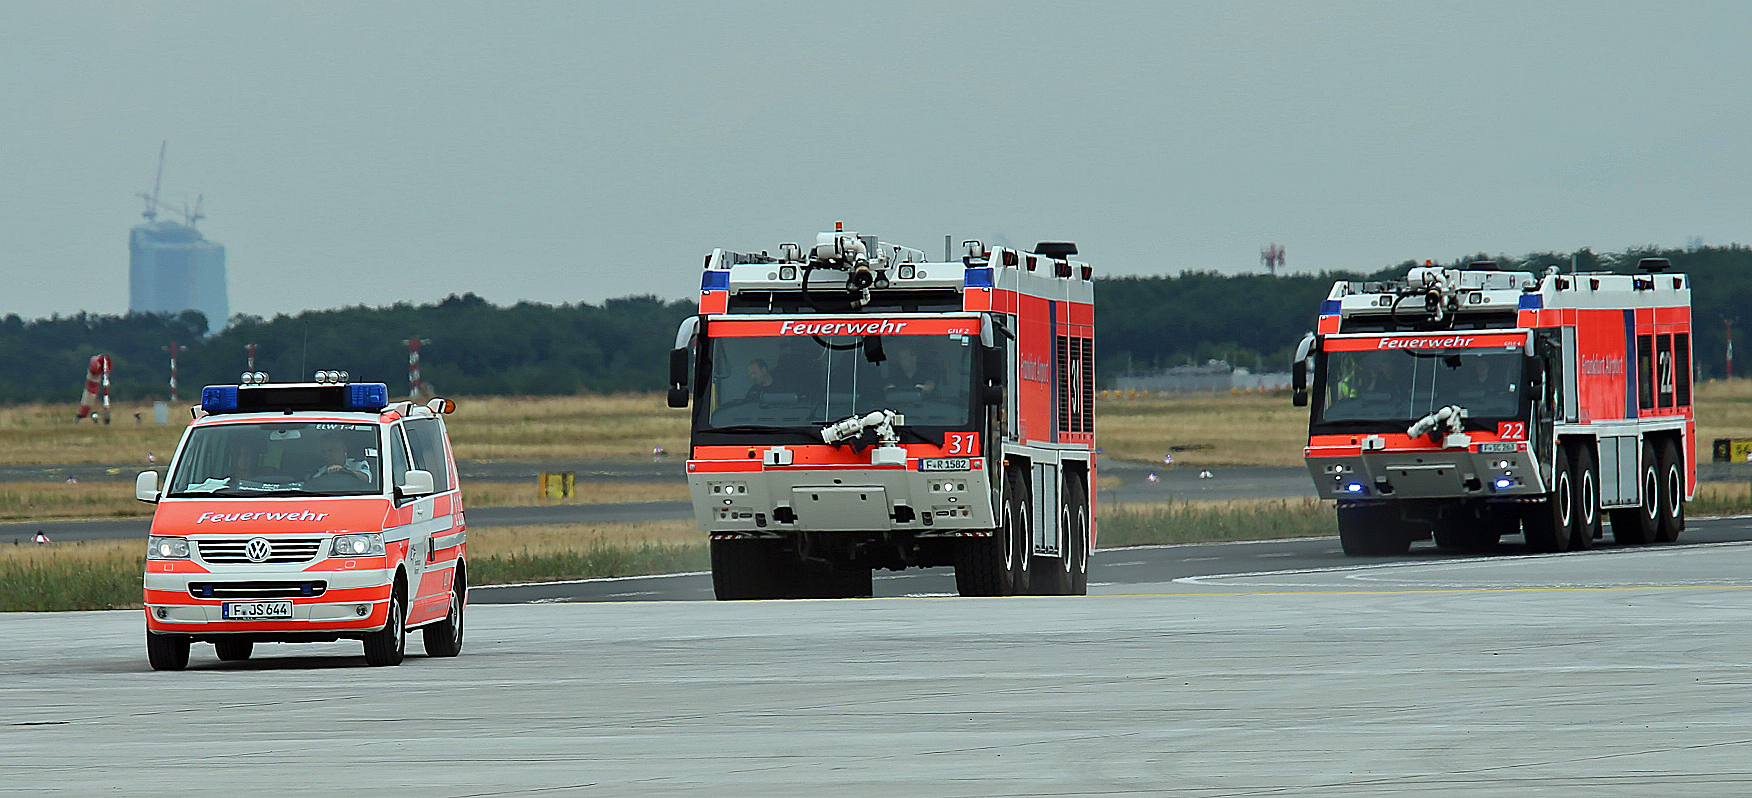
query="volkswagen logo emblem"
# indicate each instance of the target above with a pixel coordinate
(257, 549)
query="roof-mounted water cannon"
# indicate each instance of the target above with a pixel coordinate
(1439, 289)
(975, 249)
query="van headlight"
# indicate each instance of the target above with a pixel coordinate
(357, 545)
(164, 548)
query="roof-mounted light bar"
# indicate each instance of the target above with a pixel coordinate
(331, 395)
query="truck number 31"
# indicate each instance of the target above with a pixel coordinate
(963, 443)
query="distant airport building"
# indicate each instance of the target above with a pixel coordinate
(173, 268)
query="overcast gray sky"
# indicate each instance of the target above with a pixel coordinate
(376, 152)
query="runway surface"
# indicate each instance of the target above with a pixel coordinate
(1595, 674)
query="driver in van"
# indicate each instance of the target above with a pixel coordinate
(334, 453)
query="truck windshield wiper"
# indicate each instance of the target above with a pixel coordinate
(762, 428)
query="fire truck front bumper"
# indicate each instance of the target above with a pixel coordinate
(1457, 474)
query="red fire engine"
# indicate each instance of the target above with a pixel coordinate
(856, 406)
(1474, 403)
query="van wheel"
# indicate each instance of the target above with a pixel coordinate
(388, 645)
(233, 650)
(167, 652)
(1672, 475)
(444, 638)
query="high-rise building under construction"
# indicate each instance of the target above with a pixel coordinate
(173, 268)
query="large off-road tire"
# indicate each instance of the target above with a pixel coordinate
(1671, 469)
(829, 580)
(1586, 471)
(1467, 534)
(167, 652)
(1637, 526)
(1549, 524)
(388, 645)
(1370, 530)
(992, 566)
(1051, 576)
(444, 638)
(1081, 531)
(233, 650)
(745, 569)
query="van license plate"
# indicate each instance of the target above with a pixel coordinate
(255, 610)
(945, 464)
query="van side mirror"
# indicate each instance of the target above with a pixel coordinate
(146, 487)
(1299, 382)
(1299, 398)
(992, 394)
(416, 483)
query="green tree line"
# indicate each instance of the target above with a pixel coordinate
(476, 348)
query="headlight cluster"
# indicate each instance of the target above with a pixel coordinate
(161, 548)
(357, 545)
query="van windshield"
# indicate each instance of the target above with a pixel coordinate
(279, 459)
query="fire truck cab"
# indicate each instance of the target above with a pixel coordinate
(1469, 404)
(857, 406)
(306, 512)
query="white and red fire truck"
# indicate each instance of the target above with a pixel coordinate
(856, 406)
(306, 512)
(1474, 403)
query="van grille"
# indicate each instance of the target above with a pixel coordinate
(280, 550)
(257, 590)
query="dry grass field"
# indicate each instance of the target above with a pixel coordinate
(1198, 429)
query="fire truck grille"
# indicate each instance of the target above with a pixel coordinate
(257, 590)
(279, 550)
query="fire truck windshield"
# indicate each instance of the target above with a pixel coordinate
(795, 381)
(1403, 385)
(278, 459)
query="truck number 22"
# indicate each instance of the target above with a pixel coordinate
(1512, 430)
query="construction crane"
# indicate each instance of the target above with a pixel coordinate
(153, 204)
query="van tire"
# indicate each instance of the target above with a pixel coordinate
(167, 652)
(388, 645)
(233, 650)
(444, 638)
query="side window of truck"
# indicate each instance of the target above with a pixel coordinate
(426, 444)
(1682, 367)
(1645, 372)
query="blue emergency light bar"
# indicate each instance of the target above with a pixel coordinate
(358, 397)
